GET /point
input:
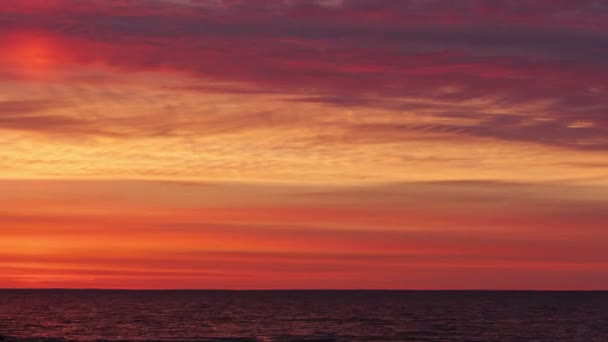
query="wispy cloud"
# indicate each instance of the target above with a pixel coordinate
(362, 139)
(96, 233)
(350, 53)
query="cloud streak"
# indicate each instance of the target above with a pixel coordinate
(345, 236)
(370, 54)
(366, 143)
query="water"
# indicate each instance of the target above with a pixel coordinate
(304, 316)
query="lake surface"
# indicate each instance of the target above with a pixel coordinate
(303, 315)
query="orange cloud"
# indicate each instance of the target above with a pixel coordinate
(89, 235)
(299, 144)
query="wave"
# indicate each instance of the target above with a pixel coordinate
(214, 339)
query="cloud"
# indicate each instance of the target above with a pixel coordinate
(25, 106)
(421, 57)
(29, 115)
(255, 231)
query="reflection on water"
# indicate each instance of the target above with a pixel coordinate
(304, 315)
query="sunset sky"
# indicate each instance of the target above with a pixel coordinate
(241, 144)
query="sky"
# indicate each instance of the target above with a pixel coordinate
(288, 144)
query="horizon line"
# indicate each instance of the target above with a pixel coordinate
(299, 290)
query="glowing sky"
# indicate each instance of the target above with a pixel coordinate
(429, 144)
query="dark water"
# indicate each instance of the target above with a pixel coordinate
(304, 316)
